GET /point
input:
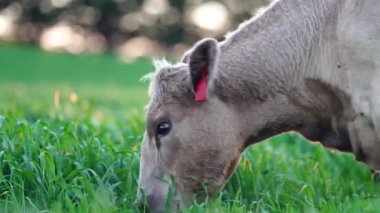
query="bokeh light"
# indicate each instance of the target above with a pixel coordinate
(130, 28)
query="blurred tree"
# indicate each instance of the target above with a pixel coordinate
(167, 22)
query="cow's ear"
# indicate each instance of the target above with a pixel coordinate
(186, 57)
(202, 61)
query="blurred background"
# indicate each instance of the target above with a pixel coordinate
(67, 57)
(132, 28)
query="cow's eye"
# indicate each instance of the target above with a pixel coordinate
(163, 128)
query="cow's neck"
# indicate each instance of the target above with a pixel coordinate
(266, 66)
(279, 50)
(316, 112)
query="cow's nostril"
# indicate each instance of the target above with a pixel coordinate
(139, 204)
(376, 176)
(142, 207)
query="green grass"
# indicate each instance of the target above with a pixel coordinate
(83, 156)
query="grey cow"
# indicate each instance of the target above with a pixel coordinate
(303, 65)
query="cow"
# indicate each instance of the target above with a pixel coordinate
(302, 65)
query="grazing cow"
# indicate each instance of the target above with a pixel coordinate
(303, 65)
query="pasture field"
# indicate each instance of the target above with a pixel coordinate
(70, 134)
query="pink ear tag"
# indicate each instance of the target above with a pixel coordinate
(201, 90)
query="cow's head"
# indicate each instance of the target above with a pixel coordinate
(192, 141)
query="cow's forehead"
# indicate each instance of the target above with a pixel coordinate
(168, 84)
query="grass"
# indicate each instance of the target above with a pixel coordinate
(82, 154)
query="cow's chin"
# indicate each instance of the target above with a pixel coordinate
(202, 193)
(209, 194)
(162, 208)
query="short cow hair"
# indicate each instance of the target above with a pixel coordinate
(170, 83)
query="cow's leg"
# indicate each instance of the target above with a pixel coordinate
(365, 141)
(375, 116)
(375, 100)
